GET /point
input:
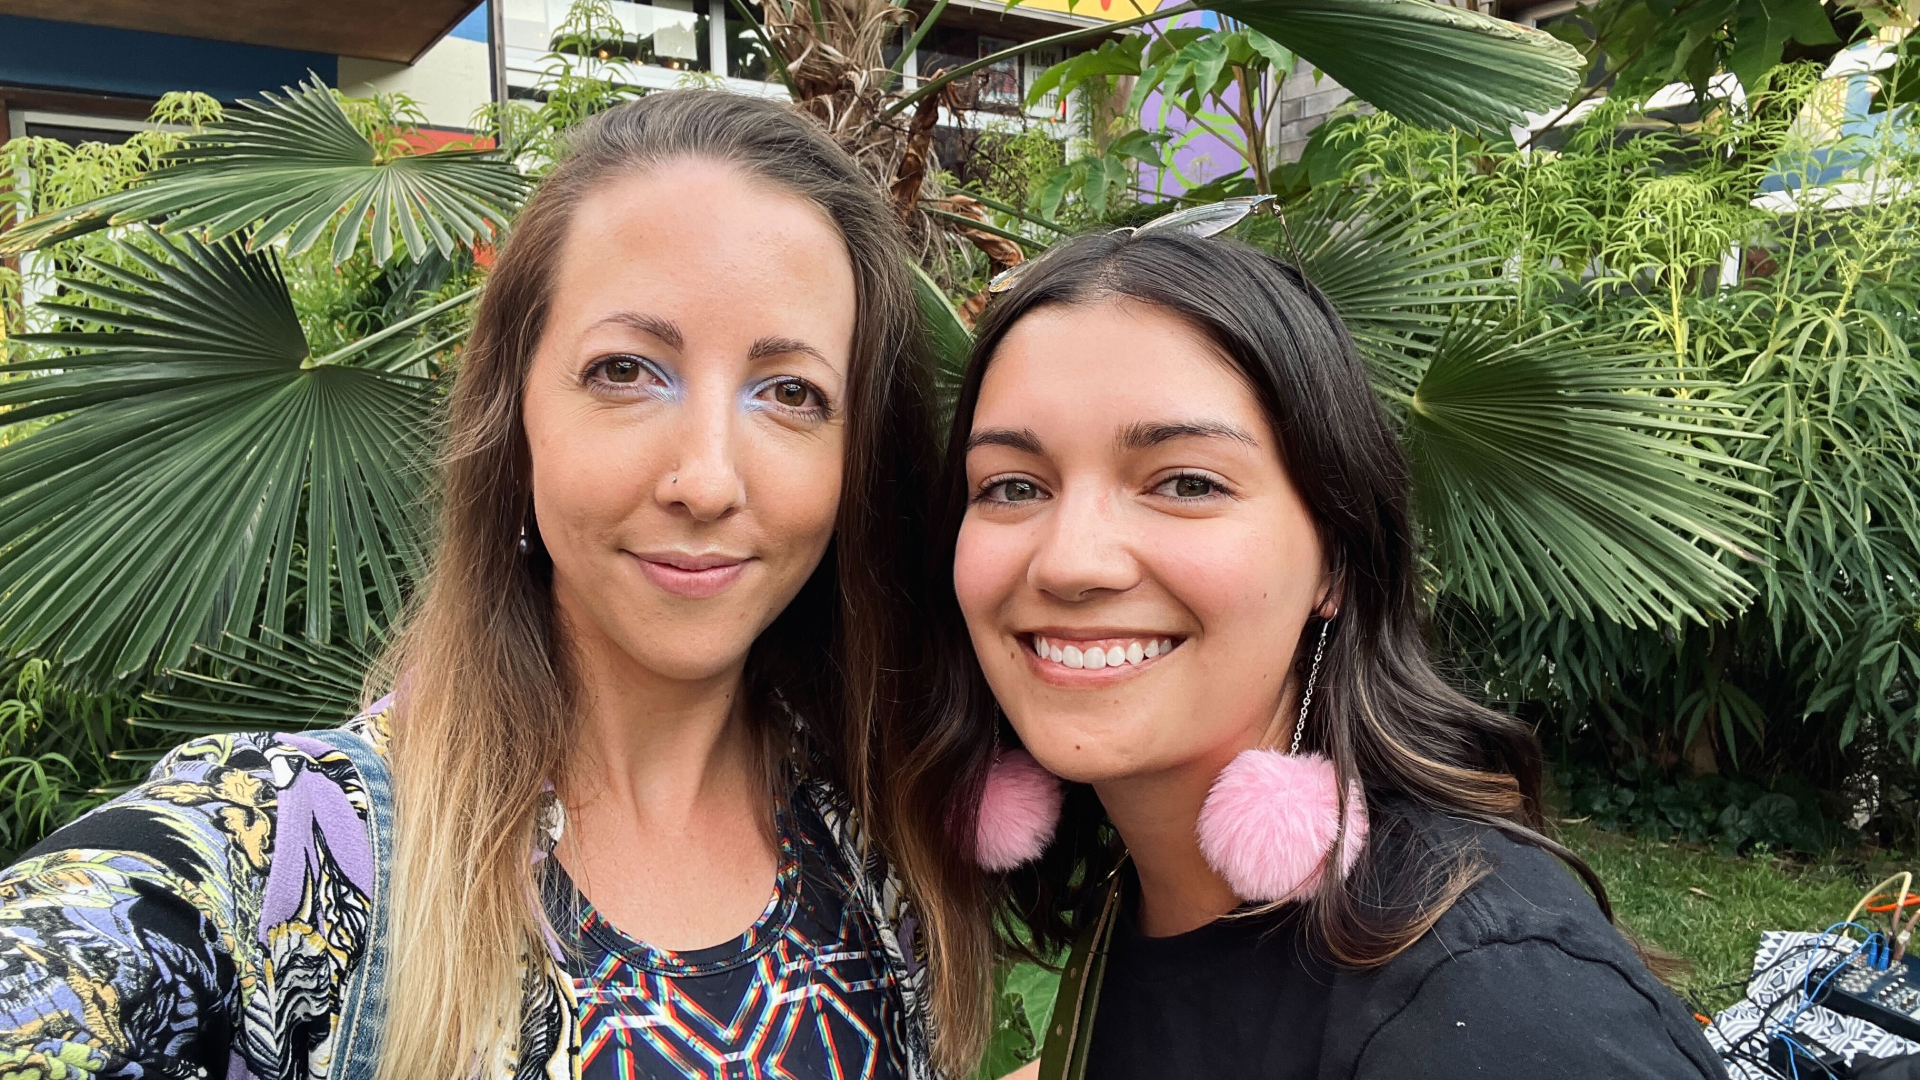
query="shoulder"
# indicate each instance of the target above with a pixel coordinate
(233, 883)
(1523, 976)
(215, 816)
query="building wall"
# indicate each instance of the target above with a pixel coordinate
(1307, 98)
(450, 82)
(44, 55)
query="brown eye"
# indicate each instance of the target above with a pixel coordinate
(623, 369)
(791, 393)
(1192, 487)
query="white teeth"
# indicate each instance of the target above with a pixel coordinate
(1095, 659)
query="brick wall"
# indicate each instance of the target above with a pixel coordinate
(1304, 103)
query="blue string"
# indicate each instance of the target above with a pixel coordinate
(1809, 994)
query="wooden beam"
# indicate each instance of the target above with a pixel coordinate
(396, 30)
(132, 108)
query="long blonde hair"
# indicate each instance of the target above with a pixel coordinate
(484, 717)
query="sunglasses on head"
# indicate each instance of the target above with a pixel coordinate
(1196, 221)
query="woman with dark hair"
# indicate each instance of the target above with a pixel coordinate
(1285, 847)
(620, 815)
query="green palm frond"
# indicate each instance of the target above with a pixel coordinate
(280, 682)
(294, 166)
(1430, 64)
(948, 339)
(1551, 473)
(203, 473)
(1427, 63)
(1395, 276)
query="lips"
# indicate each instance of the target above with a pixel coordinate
(690, 575)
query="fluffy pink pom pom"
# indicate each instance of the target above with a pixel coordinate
(1018, 812)
(1271, 819)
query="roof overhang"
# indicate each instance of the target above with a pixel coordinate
(397, 30)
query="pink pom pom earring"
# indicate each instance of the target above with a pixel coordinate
(1019, 811)
(1271, 819)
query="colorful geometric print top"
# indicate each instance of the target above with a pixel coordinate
(803, 994)
(205, 923)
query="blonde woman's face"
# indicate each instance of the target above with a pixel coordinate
(1130, 516)
(684, 415)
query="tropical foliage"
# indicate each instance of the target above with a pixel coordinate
(1788, 305)
(1656, 503)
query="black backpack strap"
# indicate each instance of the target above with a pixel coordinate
(1064, 1055)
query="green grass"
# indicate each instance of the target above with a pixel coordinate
(1709, 909)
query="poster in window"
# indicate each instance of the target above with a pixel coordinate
(999, 83)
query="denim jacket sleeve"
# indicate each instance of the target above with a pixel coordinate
(202, 924)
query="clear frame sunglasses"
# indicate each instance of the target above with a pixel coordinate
(1196, 221)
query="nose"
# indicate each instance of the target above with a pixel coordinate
(1083, 551)
(703, 480)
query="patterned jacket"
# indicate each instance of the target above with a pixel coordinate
(208, 924)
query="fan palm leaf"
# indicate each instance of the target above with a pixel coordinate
(1428, 64)
(279, 682)
(1397, 276)
(1554, 473)
(294, 166)
(203, 472)
(948, 340)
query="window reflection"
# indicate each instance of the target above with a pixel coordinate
(746, 53)
(667, 33)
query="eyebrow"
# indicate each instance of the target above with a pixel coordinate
(665, 329)
(1151, 433)
(669, 331)
(783, 346)
(1022, 439)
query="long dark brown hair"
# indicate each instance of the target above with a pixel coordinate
(1382, 713)
(484, 719)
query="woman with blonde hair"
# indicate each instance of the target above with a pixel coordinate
(631, 807)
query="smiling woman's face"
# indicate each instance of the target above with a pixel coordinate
(1131, 520)
(683, 411)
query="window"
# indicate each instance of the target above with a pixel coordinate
(71, 128)
(746, 54)
(1052, 106)
(667, 33)
(999, 83)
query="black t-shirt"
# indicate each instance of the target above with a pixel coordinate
(1241, 997)
(1521, 979)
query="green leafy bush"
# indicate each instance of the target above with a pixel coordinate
(1733, 816)
(1790, 315)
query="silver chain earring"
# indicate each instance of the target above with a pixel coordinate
(1306, 699)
